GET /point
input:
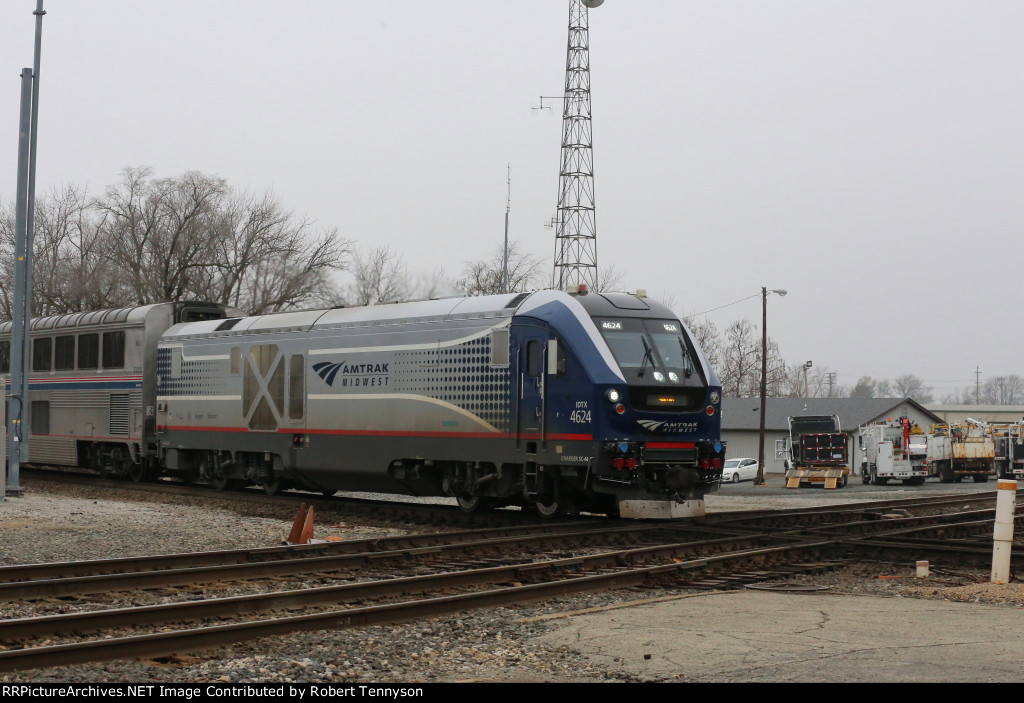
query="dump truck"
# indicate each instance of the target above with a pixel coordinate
(958, 451)
(815, 452)
(893, 449)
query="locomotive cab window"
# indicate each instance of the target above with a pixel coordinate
(42, 350)
(653, 350)
(88, 351)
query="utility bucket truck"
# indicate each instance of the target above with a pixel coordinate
(815, 452)
(956, 451)
(893, 450)
(1009, 445)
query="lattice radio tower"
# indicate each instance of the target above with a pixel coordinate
(576, 225)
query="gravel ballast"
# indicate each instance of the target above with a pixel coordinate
(53, 522)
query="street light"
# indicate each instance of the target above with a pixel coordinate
(759, 481)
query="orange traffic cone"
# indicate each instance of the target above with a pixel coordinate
(298, 525)
(307, 529)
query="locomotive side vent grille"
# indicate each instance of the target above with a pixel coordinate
(120, 414)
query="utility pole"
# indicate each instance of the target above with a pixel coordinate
(807, 389)
(831, 382)
(977, 385)
(19, 428)
(576, 234)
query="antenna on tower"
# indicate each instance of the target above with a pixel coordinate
(504, 257)
(576, 234)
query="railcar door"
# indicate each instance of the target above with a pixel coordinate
(530, 416)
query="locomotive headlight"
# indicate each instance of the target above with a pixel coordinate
(612, 395)
(673, 376)
(715, 397)
(659, 376)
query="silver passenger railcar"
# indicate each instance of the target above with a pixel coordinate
(92, 387)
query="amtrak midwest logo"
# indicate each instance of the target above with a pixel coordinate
(352, 375)
(663, 426)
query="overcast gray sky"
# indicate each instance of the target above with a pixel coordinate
(866, 156)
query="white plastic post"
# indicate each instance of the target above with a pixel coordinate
(1002, 536)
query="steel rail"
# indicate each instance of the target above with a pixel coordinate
(93, 567)
(158, 644)
(84, 621)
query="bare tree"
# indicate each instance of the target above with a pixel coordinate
(379, 276)
(1002, 390)
(609, 278)
(866, 387)
(153, 240)
(740, 367)
(268, 260)
(910, 386)
(483, 276)
(70, 272)
(959, 396)
(158, 231)
(704, 334)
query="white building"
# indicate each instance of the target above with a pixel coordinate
(741, 422)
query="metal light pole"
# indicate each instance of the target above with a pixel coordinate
(759, 481)
(19, 428)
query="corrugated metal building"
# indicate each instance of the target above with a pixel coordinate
(958, 414)
(741, 421)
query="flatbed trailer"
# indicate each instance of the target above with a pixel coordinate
(816, 452)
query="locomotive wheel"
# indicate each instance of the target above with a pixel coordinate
(549, 510)
(222, 483)
(470, 504)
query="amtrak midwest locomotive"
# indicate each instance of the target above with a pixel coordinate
(555, 402)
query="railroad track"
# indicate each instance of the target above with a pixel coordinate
(473, 569)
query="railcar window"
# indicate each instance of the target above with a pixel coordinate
(64, 353)
(296, 386)
(88, 351)
(40, 417)
(42, 353)
(5, 357)
(113, 350)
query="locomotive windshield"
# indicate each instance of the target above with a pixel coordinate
(656, 351)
